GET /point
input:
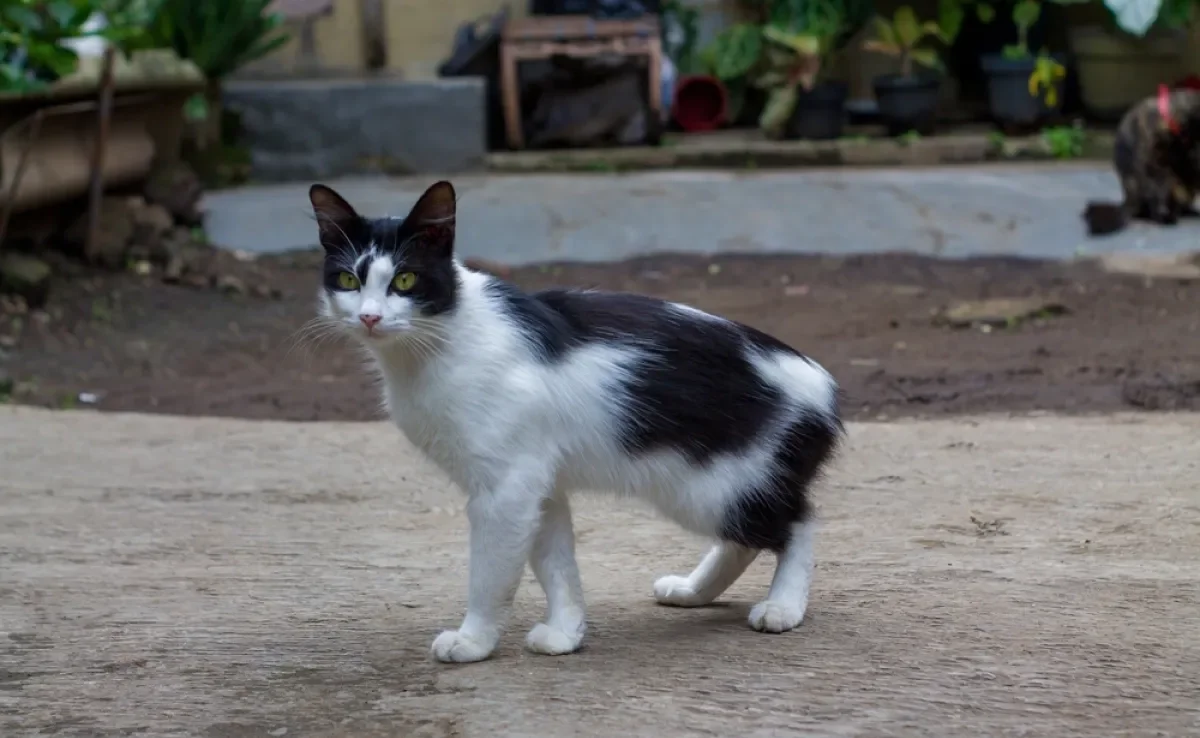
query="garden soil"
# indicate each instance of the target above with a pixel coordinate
(1068, 338)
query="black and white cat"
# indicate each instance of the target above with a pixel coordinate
(524, 398)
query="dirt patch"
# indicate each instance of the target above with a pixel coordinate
(1111, 341)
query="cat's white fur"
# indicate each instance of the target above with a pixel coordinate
(518, 435)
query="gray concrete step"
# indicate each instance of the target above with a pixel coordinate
(1024, 210)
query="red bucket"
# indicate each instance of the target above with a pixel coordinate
(701, 103)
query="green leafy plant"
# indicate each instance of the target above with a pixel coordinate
(218, 36)
(31, 34)
(1064, 142)
(734, 52)
(793, 61)
(679, 28)
(1025, 13)
(1175, 14)
(1045, 79)
(797, 42)
(903, 37)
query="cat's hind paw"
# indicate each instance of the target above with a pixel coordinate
(550, 641)
(775, 617)
(674, 591)
(454, 646)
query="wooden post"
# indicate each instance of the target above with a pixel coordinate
(96, 185)
(374, 33)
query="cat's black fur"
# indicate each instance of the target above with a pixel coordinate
(697, 394)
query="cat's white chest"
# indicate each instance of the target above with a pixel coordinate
(453, 423)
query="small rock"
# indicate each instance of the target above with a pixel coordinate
(175, 241)
(1162, 393)
(151, 225)
(114, 233)
(1184, 267)
(230, 285)
(142, 268)
(176, 187)
(796, 290)
(25, 277)
(88, 398)
(173, 271)
(998, 312)
(266, 292)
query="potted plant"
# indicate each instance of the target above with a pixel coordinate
(218, 36)
(907, 101)
(1125, 56)
(797, 105)
(732, 57)
(728, 60)
(1023, 87)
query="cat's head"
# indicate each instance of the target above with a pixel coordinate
(387, 279)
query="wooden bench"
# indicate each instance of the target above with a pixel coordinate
(577, 36)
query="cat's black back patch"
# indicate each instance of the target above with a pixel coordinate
(696, 392)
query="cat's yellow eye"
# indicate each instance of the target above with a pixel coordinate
(347, 281)
(404, 281)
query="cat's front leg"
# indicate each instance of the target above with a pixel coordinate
(503, 521)
(553, 563)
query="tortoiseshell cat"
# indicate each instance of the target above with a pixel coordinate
(1157, 158)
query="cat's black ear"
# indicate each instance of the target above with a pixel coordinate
(335, 217)
(433, 216)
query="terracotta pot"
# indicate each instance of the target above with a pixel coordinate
(701, 103)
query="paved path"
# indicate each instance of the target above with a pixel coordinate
(978, 577)
(1027, 210)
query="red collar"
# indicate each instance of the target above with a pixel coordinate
(1164, 109)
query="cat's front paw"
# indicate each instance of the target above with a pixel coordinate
(676, 591)
(550, 641)
(454, 646)
(775, 617)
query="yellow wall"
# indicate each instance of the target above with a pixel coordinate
(419, 35)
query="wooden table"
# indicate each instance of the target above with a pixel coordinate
(578, 36)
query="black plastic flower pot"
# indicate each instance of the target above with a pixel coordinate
(1008, 91)
(820, 112)
(908, 103)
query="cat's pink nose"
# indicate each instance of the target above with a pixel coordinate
(370, 321)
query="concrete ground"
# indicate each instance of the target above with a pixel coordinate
(1013, 209)
(984, 576)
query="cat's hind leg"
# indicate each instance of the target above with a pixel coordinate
(553, 562)
(717, 571)
(787, 599)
